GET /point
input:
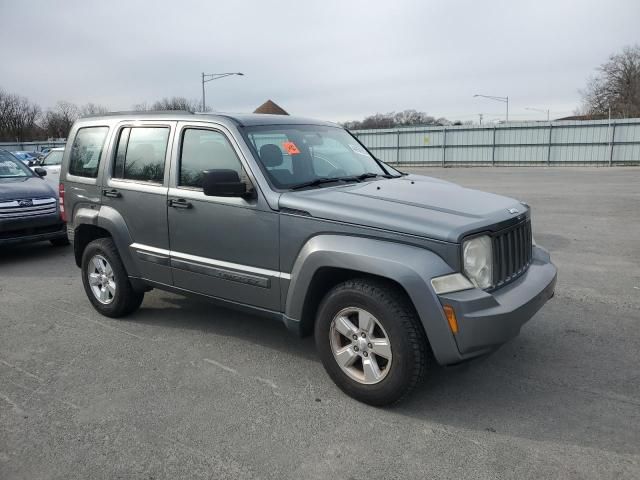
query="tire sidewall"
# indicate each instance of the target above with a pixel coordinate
(97, 248)
(398, 378)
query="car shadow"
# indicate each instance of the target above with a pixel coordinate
(209, 317)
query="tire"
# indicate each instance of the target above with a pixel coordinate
(120, 299)
(59, 242)
(395, 319)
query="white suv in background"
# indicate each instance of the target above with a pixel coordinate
(51, 163)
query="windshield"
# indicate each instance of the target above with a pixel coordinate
(294, 155)
(54, 158)
(10, 167)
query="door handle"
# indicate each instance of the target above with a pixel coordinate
(113, 193)
(180, 203)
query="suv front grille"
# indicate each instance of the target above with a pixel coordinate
(512, 252)
(27, 208)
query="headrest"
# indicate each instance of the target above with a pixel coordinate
(271, 155)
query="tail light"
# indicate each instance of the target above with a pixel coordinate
(63, 215)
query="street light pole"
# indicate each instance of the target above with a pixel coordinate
(542, 110)
(208, 77)
(497, 99)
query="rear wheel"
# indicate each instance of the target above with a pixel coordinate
(370, 341)
(105, 280)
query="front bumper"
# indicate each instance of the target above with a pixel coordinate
(486, 320)
(34, 232)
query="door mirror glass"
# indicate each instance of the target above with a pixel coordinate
(224, 183)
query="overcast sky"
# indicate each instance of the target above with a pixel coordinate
(330, 59)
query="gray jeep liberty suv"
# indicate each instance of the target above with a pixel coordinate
(294, 219)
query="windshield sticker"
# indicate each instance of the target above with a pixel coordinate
(358, 149)
(291, 148)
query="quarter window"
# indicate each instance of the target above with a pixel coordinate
(86, 151)
(141, 154)
(205, 150)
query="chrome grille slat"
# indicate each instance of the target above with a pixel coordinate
(38, 206)
(512, 252)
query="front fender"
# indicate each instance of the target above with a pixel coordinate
(411, 267)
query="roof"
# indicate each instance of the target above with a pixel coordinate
(241, 119)
(271, 107)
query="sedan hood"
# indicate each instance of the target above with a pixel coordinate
(25, 187)
(411, 204)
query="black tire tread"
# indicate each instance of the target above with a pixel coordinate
(393, 298)
(128, 300)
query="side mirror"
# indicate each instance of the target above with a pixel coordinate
(30, 163)
(224, 183)
(40, 171)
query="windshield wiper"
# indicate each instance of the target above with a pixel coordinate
(320, 181)
(364, 176)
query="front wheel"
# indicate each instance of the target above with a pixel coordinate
(105, 280)
(370, 341)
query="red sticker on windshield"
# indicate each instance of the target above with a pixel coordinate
(291, 148)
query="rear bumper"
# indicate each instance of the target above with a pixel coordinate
(486, 320)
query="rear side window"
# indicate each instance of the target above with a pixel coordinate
(141, 154)
(86, 151)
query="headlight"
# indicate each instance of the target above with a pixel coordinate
(477, 256)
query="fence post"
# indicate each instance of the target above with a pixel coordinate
(398, 147)
(493, 148)
(549, 145)
(611, 142)
(444, 145)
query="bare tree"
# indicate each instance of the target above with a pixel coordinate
(615, 86)
(172, 103)
(18, 117)
(405, 118)
(89, 109)
(58, 121)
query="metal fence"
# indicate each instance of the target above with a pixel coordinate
(30, 146)
(595, 142)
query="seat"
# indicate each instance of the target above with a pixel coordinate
(272, 157)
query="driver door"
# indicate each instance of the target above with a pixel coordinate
(224, 247)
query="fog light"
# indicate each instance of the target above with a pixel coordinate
(450, 313)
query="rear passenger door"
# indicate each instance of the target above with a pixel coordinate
(136, 184)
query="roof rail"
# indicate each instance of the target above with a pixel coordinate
(145, 112)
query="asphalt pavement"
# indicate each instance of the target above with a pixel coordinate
(182, 389)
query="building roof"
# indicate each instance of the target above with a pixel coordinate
(271, 107)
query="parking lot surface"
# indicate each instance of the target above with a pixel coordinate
(182, 389)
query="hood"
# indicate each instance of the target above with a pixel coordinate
(25, 187)
(411, 204)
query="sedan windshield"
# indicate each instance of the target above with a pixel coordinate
(10, 167)
(299, 156)
(54, 158)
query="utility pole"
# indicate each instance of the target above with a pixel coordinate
(497, 99)
(208, 77)
(480, 115)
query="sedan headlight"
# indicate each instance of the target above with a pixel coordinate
(477, 256)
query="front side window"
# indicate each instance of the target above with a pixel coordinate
(205, 150)
(54, 158)
(86, 151)
(292, 155)
(141, 154)
(11, 167)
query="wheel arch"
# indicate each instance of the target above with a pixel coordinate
(91, 224)
(327, 260)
